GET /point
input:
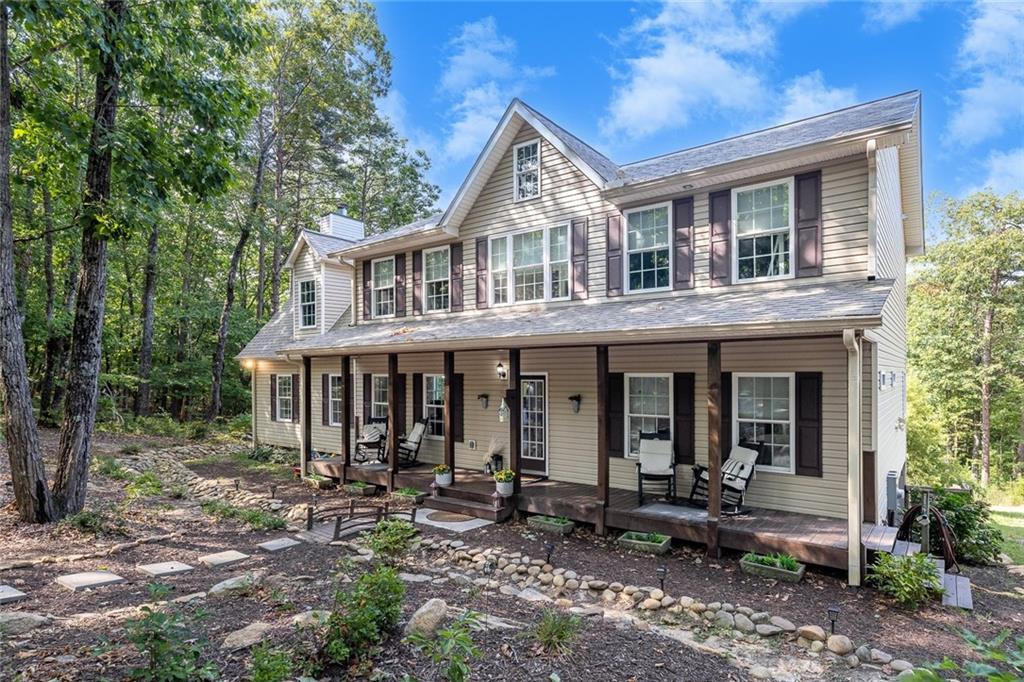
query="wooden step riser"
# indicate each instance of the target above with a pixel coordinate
(455, 506)
(465, 494)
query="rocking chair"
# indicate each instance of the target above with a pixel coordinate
(737, 472)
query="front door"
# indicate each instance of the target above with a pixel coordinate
(534, 392)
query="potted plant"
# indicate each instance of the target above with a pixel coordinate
(443, 475)
(505, 480)
(649, 543)
(360, 488)
(410, 495)
(320, 482)
(776, 566)
(551, 524)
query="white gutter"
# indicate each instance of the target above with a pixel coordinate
(854, 457)
(871, 148)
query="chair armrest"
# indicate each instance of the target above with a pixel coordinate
(698, 469)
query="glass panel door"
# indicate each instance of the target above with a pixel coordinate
(535, 424)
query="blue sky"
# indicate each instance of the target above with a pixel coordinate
(637, 80)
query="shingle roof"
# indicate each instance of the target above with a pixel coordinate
(595, 159)
(272, 337)
(837, 301)
(323, 244)
(404, 231)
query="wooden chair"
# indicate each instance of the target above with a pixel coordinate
(372, 441)
(409, 447)
(737, 472)
(656, 463)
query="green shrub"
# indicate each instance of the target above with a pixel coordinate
(271, 664)
(1002, 660)
(131, 449)
(362, 615)
(239, 425)
(104, 465)
(257, 519)
(270, 455)
(783, 561)
(88, 521)
(555, 631)
(167, 638)
(177, 492)
(977, 538)
(910, 579)
(197, 430)
(451, 646)
(389, 539)
(145, 485)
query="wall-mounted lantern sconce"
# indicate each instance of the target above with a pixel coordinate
(574, 402)
(502, 372)
(504, 412)
(484, 399)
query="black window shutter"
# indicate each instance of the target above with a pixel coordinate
(367, 289)
(720, 206)
(400, 285)
(808, 423)
(684, 416)
(325, 403)
(417, 282)
(613, 271)
(400, 396)
(682, 240)
(296, 398)
(273, 397)
(417, 397)
(808, 255)
(616, 414)
(725, 433)
(367, 397)
(458, 408)
(481, 272)
(455, 288)
(579, 259)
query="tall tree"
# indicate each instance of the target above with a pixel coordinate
(142, 397)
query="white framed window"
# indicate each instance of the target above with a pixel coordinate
(762, 238)
(285, 395)
(379, 396)
(336, 395)
(437, 278)
(307, 303)
(433, 404)
(763, 412)
(648, 259)
(530, 266)
(383, 272)
(648, 408)
(526, 170)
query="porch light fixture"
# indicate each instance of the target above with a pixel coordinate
(484, 399)
(502, 372)
(549, 548)
(833, 616)
(504, 412)
(662, 572)
(574, 402)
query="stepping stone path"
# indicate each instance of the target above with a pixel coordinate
(164, 569)
(225, 558)
(9, 595)
(277, 545)
(76, 582)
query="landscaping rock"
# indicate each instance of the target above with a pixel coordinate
(863, 653)
(724, 619)
(650, 604)
(427, 618)
(530, 594)
(760, 617)
(814, 633)
(782, 623)
(598, 585)
(9, 595)
(899, 665)
(246, 637)
(906, 674)
(414, 577)
(310, 618)
(225, 558)
(852, 660)
(766, 630)
(238, 586)
(880, 657)
(743, 624)
(76, 582)
(817, 646)
(657, 594)
(20, 622)
(839, 644)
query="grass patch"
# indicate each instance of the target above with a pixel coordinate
(555, 632)
(256, 461)
(105, 465)
(1011, 524)
(257, 519)
(146, 485)
(783, 561)
(93, 522)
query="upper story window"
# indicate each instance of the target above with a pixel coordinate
(764, 414)
(436, 278)
(648, 248)
(763, 236)
(526, 171)
(530, 266)
(384, 287)
(307, 303)
(285, 391)
(433, 403)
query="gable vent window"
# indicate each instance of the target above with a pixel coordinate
(526, 161)
(764, 230)
(436, 275)
(307, 303)
(530, 266)
(384, 287)
(649, 256)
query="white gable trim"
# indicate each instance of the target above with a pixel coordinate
(297, 249)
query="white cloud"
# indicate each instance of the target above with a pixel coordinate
(809, 95)
(1005, 171)
(882, 15)
(990, 61)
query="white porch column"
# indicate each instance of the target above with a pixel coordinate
(854, 475)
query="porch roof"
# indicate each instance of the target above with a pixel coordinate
(738, 312)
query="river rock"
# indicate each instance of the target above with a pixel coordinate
(427, 618)
(246, 637)
(814, 633)
(839, 644)
(743, 624)
(20, 622)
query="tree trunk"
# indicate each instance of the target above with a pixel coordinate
(28, 475)
(142, 403)
(986, 396)
(84, 363)
(63, 340)
(261, 278)
(50, 358)
(182, 334)
(276, 264)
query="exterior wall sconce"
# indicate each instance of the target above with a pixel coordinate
(574, 402)
(504, 412)
(484, 399)
(502, 372)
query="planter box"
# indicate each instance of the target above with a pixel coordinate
(364, 490)
(773, 572)
(548, 524)
(321, 484)
(639, 542)
(412, 499)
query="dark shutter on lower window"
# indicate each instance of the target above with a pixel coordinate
(400, 285)
(417, 397)
(616, 414)
(458, 409)
(808, 225)
(725, 432)
(455, 288)
(808, 424)
(613, 271)
(481, 272)
(682, 241)
(273, 397)
(367, 289)
(579, 259)
(296, 398)
(367, 398)
(417, 282)
(684, 417)
(719, 208)
(399, 389)
(325, 403)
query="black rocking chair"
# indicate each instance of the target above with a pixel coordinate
(737, 472)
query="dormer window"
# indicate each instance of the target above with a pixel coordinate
(384, 287)
(307, 303)
(526, 169)
(763, 236)
(436, 278)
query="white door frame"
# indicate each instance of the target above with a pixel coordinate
(542, 376)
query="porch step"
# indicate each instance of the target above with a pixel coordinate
(467, 494)
(479, 510)
(957, 591)
(903, 548)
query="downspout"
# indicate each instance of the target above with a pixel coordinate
(872, 210)
(854, 475)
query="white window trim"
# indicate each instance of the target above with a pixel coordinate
(373, 287)
(330, 399)
(626, 250)
(736, 376)
(510, 269)
(426, 282)
(734, 233)
(427, 434)
(373, 395)
(290, 398)
(515, 175)
(316, 311)
(627, 453)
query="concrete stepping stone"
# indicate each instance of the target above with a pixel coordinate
(76, 582)
(164, 569)
(277, 545)
(9, 595)
(225, 558)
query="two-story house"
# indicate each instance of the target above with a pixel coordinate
(746, 290)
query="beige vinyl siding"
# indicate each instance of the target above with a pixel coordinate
(337, 293)
(281, 434)
(306, 268)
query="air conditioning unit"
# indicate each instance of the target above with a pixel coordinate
(895, 498)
